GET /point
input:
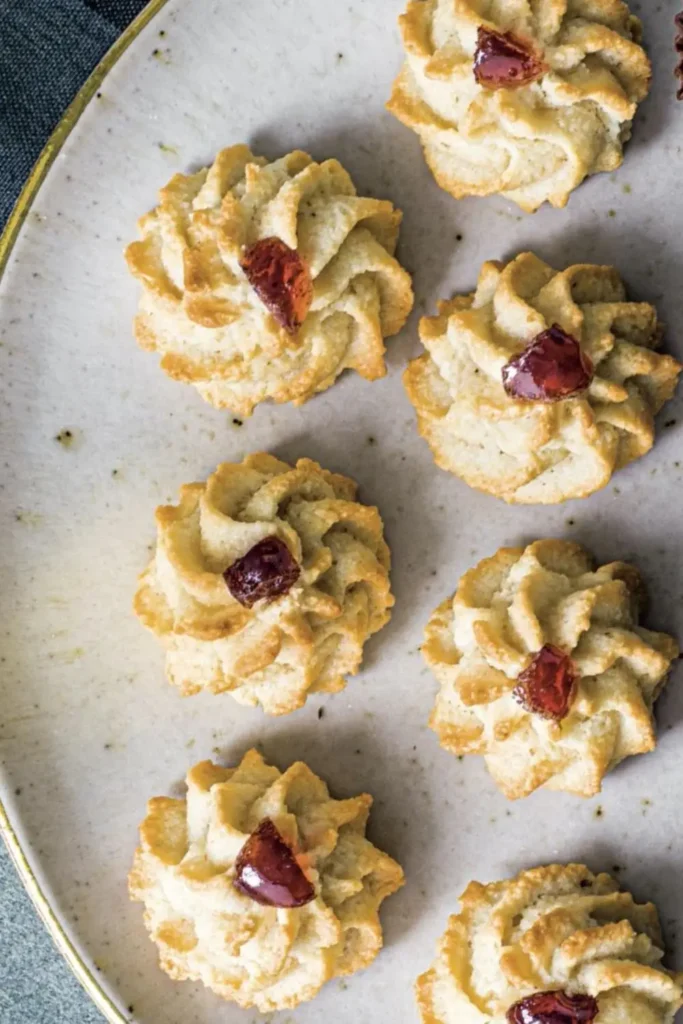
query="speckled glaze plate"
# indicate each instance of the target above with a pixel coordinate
(89, 729)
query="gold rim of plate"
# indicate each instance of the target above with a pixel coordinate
(7, 241)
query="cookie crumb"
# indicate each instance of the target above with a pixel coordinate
(65, 437)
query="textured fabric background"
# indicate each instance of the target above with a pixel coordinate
(47, 49)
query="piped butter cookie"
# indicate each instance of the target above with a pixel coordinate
(265, 280)
(517, 98)
(544, 668)
(542, 383)
(259, 884)
(266, 582)
(555, 945)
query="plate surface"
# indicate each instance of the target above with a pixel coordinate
(89, 728)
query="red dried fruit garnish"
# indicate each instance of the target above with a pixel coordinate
(502, 61)
(281, 280)
(547, 686)
(554, 1008)
(267, 571)
(267, 871)
(679, 50)
(552, 367)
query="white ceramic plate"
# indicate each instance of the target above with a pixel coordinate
(89, 728)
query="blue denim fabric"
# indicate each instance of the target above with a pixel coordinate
(47, 50)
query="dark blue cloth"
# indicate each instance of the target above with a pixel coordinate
(47, 50)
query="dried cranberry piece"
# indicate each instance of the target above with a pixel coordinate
(502, 61)
(554, 1008)
(267, 571)
(552, 367)
(266, 870)
(281, 280)
(547, 686)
